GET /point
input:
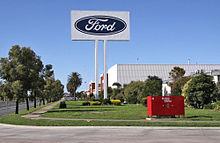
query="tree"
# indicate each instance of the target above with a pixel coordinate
(48, 72)
(185, 88)
(21, 66)
(152, 87)
(57, 91)
(1, 90)
(18, 93)
(48, 88)
(6, 91)
(22, 72)
(74, 81)
(201, 91)
(132, 91)
(30, 67)
(218, 86)
(176, 73)
(37, 89)
(178, 81)
(120, 96)
(11, 71)
(81, 95)
(177, 86)
(117, 93)
(118, 85)
(48, 76)
(109, 90)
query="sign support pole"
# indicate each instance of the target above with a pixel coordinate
(96, 71)
(108, 26)
(105, 72)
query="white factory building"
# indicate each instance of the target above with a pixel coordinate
(125, 73)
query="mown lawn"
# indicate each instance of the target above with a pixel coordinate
(201, 115)
(75, 110)
(18, 120)
(125, 112)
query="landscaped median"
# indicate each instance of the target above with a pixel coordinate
(110, 115)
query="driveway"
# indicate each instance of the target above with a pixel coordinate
(28, 134)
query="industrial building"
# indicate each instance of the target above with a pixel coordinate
(125, 73)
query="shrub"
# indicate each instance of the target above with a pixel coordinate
(86, 103)
(97, 100)
(201, 91)
(120, 96)
(106, 102)
(152, 86)
(92, 98)
(144, 101)
(217, 105)
(62, 105)
(95, 103)
(116, 102)
(209, 106)
(132, 91)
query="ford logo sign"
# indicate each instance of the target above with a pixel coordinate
(100, 25)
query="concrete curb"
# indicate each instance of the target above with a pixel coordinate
(114, 127)
(68, 119)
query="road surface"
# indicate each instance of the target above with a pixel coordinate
(28, 134)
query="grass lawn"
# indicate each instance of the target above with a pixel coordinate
(127, 112)
(75, 110)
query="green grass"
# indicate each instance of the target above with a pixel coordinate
(126, 112)
(18, 120)
(75, 110)
(201, 115)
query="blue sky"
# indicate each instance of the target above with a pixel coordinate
(162, 32)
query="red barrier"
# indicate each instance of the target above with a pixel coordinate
(165, 105)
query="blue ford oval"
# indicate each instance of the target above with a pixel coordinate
(100, 25)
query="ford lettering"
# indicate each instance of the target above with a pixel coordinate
(100, 25)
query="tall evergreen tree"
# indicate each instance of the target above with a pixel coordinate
(48, 86)
(22, 67)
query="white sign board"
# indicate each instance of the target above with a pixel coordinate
(100, 25)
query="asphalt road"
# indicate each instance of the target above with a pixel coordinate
(9, 107)
(28, 134)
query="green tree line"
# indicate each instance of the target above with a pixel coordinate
(24, 77)
(198, 90)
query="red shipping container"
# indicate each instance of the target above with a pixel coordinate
(165, 105)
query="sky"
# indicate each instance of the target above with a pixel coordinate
(161, 32)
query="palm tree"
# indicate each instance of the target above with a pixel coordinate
(74, 81)
(118, 85)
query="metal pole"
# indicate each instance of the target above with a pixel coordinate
(96, 71)
(105, 72)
